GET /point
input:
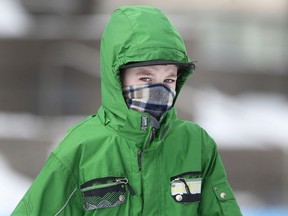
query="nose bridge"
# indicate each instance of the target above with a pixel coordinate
(158, 76)
(158, 80)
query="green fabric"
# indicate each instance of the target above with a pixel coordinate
(108, 143)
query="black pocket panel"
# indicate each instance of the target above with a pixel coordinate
(105, 195)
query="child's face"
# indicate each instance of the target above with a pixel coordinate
(165, 74)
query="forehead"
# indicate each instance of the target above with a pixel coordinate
(157, 69)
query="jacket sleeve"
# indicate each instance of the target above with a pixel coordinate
(54, 192)
(217, 197)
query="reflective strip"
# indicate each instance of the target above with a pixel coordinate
(178, 187)
(66, 202)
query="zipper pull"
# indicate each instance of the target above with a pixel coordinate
(185, 183)
(139, 159)
(122, 180)
(153, 134)
(132, 191)
(150, 138)
(125, 181)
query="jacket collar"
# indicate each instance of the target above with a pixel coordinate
(136, 125)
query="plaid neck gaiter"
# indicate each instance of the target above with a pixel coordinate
(151, 98)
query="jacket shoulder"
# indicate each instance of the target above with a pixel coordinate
(188, 126)
(83, 132)
(81, 125)
(196, 132)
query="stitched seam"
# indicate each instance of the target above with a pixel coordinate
(170, 27)
(132, 28)
(77, 126)
(27, 207)
(66, 203)
(66, 167)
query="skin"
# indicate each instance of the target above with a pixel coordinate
(165, 74)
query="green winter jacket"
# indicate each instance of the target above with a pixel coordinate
(119, 161)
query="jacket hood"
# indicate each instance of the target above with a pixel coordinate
(137, 34)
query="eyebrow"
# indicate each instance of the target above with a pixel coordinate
(172, 74)
(143, 72)
(147, 72)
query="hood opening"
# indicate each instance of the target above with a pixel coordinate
(138, 36)
(181, 65)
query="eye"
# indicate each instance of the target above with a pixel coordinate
(169, 80)
(145, 79)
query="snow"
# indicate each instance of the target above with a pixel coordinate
(14, 21)
(245, 121)
(12, 186)
(27, 126)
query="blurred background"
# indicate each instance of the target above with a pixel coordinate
(49, 80)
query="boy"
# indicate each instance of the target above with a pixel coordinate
(135, 157)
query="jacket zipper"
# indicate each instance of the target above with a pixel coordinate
(115, 180)
(151, 137)
(139, 157)
(148, 141)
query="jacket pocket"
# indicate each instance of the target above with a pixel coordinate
(186, 187)
(226, 199)
(104, 192)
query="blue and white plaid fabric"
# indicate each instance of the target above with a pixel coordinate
(151, 98)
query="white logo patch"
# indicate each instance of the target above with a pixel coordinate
(178, 187)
